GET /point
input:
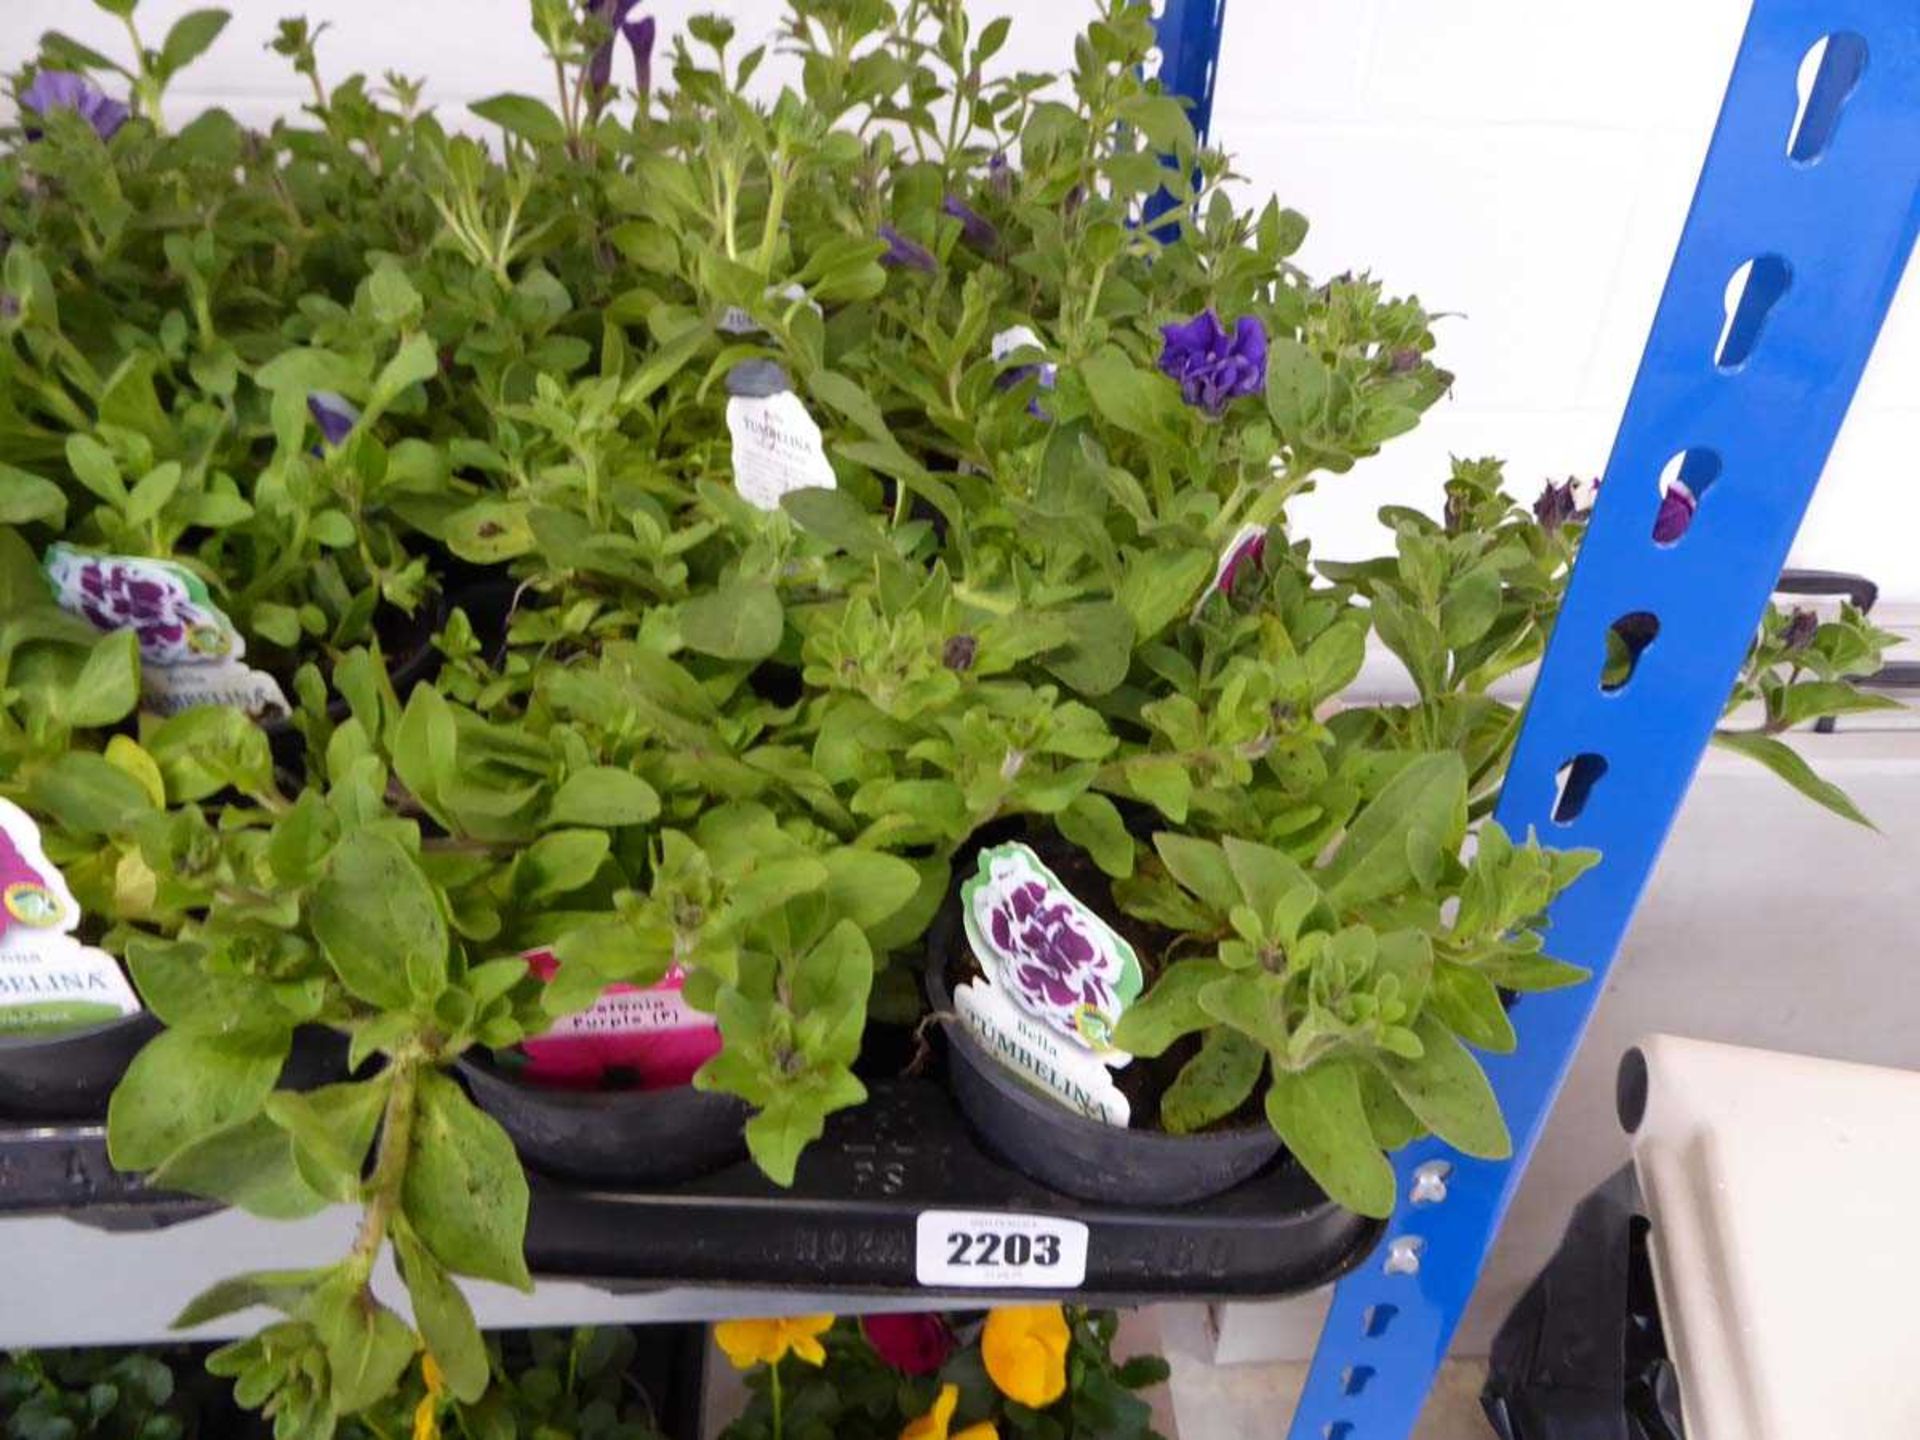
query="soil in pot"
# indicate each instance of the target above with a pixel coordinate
(1041, 1136)
(609, 1136)
(407, 643)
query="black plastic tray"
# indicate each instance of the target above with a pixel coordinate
(847, 1225)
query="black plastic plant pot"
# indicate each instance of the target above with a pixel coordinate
(1065, 1151)
(69, 1076)
(615, 1137)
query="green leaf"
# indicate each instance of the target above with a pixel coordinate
(1468, 1003)
(189, 38)
(249, 1165)
(559, 863)
(741, 620)
(830, 987)
(332, 1130)
(1163, 782)
(833, 516)
(867, 887)
(1213, 1084)
(182, 1087)
(489, 531)
(1471, 606)
(86, 792)
(414, 363)
(605, 796)
(282, 1290)
(1299, 389)
(1201, 867)
(1447, 1089)
(1812, 699)
(93, 466)
(368, 1346)
(1318, 1113)
(1168, 1011)
(1160, 586)
(524, 116)
(1428, 794)
(1138, 401)
(444, 1317)
(1786, 762)
(1268, 878)
(25, 498)
(378, 922)
(1098, 653)
(108, 685)
(1093, 822)
(794, 1116)
(465, 1193)
(209, 748)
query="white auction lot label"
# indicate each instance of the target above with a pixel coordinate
(999, 1252)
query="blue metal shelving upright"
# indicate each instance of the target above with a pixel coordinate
(1800, 229)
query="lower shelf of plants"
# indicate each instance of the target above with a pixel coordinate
(894, 1200)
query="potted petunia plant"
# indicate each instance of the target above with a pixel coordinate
(857, 557)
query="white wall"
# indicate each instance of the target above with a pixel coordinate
(1521, 164)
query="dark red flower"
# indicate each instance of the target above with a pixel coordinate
(912, 1344)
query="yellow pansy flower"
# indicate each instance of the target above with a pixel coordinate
(426, 1415)
(933, 1425)
(1025, 1350)
(766, 1342)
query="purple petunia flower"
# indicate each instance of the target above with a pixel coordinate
(1676, 513)
(1213, 368)
(334, 414)
(1799, 630)
(1556, 506)
(1000, 174)
(639, 37)
(975, 228)
(907, 253)
(64, 90)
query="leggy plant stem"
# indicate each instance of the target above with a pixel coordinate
(390, 1170)
(773, 1385)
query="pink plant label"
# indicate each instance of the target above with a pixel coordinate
(647, 1037)
(49, 981)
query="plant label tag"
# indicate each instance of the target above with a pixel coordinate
(649, 1033)
(964, 1249)
(735, 319)
(49, 982)
(190, 652)
(1045, 1059)
(1056, 958)
(777, 448)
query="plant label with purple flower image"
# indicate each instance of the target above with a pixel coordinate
(49, 982)
(1058, 979)
(190, 653)
(777, 448)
